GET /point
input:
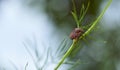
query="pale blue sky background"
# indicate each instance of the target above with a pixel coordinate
(17, 24)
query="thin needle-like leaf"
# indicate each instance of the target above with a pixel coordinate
(14, 65)
(75, 65)
(34, 61)
(26, 66)
(96, 21)
(75, 18)
(61, 48)
(84, 12)
(74, 7)
(46, 59)
(74, 13)
(75, 51)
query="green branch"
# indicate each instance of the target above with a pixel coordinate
(86, 33)
(67, 53)
(96, 21)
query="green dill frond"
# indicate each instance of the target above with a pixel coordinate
(89, 29)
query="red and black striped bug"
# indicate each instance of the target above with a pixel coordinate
(76, 33)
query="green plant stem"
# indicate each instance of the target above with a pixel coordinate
(67, 53)
(87, 32)
(96, 21)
